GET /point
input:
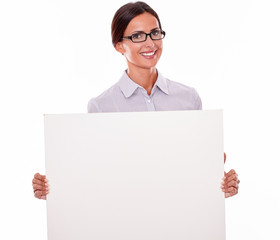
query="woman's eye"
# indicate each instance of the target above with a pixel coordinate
(156, 33)
(137, 35)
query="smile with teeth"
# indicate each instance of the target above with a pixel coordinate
(148, 54)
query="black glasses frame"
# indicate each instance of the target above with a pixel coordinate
(147, 34)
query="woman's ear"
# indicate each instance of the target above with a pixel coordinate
(119, 48)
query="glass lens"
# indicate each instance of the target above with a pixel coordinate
(138, 37)
(156, 34)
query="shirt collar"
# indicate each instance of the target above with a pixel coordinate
(128, 87)
(162, 83)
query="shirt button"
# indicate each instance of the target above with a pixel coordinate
(149, 100)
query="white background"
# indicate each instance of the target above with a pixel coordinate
(55, 55)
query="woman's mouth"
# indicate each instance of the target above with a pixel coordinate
(149, 54)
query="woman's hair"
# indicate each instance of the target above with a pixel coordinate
(124, 15)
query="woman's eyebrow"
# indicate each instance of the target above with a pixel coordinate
(157, 28)
(139, 31)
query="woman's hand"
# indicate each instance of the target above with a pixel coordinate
(230, 182)
(40, 186)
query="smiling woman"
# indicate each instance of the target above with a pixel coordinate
(137, 34)
(142, 46)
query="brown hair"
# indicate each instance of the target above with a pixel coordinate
(124, 15)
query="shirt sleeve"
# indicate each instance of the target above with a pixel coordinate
(198, 102)
(92, 106)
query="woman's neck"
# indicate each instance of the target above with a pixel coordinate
(146, 78)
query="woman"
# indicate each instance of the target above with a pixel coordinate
(137, 34)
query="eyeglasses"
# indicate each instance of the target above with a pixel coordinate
(142, 36)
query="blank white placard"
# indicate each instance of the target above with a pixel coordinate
(135, 176)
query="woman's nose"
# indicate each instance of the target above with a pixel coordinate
(149, 42)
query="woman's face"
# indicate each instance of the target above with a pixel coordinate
(146, 54)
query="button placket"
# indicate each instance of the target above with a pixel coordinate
(148, 100)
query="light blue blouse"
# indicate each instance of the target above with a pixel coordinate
(128, 96)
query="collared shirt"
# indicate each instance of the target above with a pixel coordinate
(128, 96)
